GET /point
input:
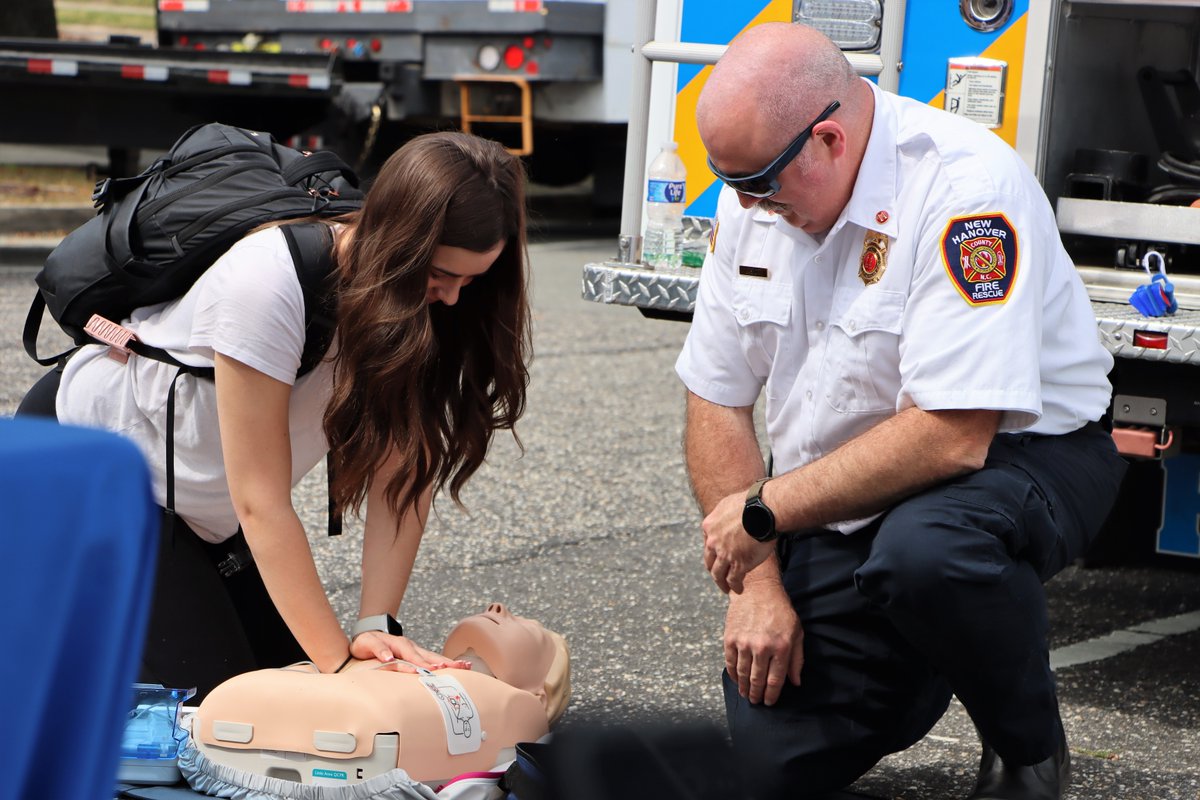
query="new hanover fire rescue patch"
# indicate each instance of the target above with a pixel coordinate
(980, 255)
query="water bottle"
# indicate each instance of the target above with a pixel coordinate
(662, 244)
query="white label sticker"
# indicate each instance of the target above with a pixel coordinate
(464, 732)
(975, 89)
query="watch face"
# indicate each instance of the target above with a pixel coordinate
(758, 520)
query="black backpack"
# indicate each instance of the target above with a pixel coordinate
(157, 232)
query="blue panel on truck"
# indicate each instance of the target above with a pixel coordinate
(935, 32)
(1180, 532)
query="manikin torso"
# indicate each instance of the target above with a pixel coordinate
(299, 724)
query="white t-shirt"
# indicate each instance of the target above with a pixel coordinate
(943, 285)
(247, 306)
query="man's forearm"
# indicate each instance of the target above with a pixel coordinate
(901, 456)
(721, 451)
(722, 455)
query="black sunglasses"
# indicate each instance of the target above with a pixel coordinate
(765, 182)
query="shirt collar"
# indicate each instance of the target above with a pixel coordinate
(874, 195)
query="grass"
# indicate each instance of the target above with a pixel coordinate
(148, 5)
(104, 19)
(21, 185)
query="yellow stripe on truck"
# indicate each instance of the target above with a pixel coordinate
(691, 150)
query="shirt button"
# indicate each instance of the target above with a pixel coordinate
(743, 315)
(819, 259)
(808, 395)
(820, 325)
(851, 325)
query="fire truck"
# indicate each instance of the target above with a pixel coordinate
(539, 75)
(1100, 98)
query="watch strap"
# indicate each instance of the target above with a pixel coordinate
(756, 489)
(384, 623)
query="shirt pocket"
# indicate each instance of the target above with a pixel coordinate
(762, 310)
(861, 370)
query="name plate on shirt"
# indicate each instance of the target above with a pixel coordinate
(754, 272)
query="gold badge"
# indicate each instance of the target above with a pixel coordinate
(873, 261)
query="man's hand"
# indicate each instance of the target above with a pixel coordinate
(763, 642)
(730, 552)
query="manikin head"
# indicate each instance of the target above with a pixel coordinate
(518, 651)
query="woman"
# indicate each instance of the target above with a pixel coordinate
(428, 360)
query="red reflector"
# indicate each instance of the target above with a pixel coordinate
(218, 76)
(532, 68)
(183, 41)
(326, 44)
(133, 71)
(351, 44)
(528, 42)
(514, 57)
(299, 81)
(40, 66)
(376, 45)
(1151, 340)
(547, 42)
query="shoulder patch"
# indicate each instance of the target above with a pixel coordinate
(980, 256)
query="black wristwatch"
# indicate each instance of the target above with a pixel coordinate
(385, 623)
(757, 519)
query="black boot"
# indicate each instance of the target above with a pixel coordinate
(1046, 780)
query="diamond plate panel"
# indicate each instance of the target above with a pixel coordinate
(1119, 322)
(629, 285)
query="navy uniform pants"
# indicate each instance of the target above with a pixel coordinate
(943, 594)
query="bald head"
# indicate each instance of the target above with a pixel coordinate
(775, 78)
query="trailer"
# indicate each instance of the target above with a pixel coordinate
(1100, 98)
(351, 75)
(126, 96)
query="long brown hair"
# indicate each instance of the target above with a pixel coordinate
(429, 383)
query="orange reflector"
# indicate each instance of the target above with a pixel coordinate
(1151, 340)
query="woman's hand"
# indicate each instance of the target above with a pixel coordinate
(385, 648)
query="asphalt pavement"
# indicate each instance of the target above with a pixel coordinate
(592, 530)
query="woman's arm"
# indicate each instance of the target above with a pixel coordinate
(252, 409)
(389, 551)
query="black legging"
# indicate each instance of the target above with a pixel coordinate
(204, 627)
(40, 400)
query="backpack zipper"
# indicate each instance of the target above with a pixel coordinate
(265, 197)
(151, 207)
(210, 155)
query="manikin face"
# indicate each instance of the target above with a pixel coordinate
(455, 267)
(517, 650)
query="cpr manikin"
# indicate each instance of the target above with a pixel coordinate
(296, 724)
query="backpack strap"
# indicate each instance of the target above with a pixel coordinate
(311, 246)
(33, 324)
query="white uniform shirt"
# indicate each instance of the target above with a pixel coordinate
(248, 306)
(976, 304)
